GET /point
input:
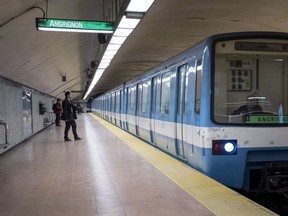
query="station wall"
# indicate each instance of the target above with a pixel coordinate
(20, 114)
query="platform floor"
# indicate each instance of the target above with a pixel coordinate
(107, 173)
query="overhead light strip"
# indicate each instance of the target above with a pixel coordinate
(128, 23)
(139, 5)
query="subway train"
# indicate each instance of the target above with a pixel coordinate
(220, 107)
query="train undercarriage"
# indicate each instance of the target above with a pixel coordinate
(270, 186)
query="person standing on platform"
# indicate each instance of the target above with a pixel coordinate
(69, 115)
(79, 109)
(57, 110)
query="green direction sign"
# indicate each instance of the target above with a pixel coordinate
(267, 119)
(64, 25)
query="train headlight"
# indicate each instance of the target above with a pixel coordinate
(229, 147)
(224, 147)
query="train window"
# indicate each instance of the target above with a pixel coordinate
(198, 87)
(131, 98)
(113, 102)
(165, 93)
(144, 97)
(128, 98)
(108, 102)
(105, 102)
(182, 89)
(118, 102)
(250, 86)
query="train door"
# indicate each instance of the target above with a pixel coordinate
(165, 130)
(153, 109)
(120, 109)
(181, 109)
(113, 110)
(137, 116)
(138, 106)
(106, 108)
(117, 108)
(132, 109)
(125, 108)
(197, 111)
(109, 108)
(143, 111)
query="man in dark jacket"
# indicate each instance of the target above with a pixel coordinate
(69, 116)
(251, 106)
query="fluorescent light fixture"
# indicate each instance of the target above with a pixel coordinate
(106, 60)
(113, 47)
(107, 57)
(117, 40)
(139, 5)
(103, 65)
(110, 52)
(63, 25)
(100, 71)
(95, 80)
(122, 32)
(129, 23)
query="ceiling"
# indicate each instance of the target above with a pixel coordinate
(39, 59)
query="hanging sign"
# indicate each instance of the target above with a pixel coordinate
(64, 25)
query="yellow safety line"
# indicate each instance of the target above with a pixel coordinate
(218, 198)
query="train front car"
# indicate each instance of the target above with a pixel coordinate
(249, 111)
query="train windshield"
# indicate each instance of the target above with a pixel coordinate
(251, 82)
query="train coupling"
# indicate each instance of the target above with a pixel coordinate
(275, 177)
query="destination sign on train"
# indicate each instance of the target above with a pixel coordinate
(267, 119)
(65, 25)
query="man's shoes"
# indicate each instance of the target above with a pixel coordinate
(67, 139)
(77, 138)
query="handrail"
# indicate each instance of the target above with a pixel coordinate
(6, 134)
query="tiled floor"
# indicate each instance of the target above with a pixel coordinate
(98, 175)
